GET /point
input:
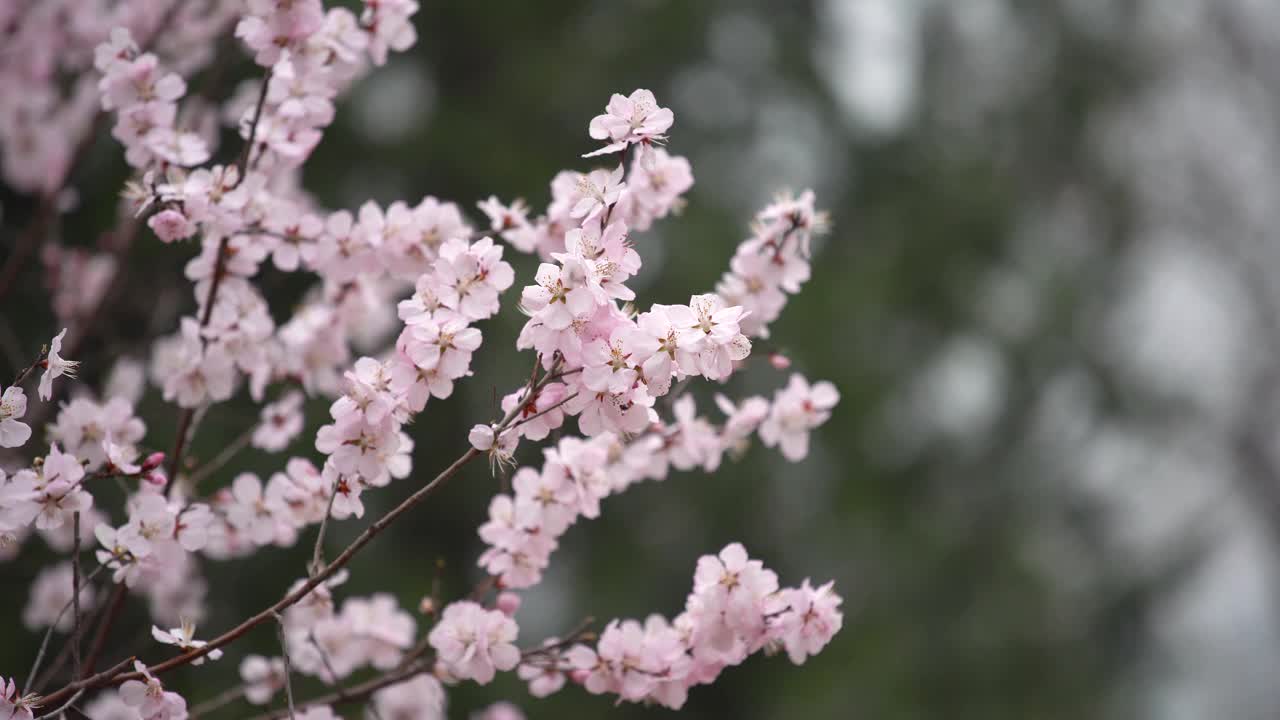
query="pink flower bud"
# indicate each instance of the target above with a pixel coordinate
(579, 676)
(508, 603)
(779, 361)
(153, 461)
(156, 478)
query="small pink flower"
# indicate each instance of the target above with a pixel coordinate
(170, 225)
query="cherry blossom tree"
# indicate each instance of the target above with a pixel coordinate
(619, 367)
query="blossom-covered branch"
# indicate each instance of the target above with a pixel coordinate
(601, 358)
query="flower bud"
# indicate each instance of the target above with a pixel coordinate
(153, 461)
(508, 603)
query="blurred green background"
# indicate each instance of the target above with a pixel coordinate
(1048, 490)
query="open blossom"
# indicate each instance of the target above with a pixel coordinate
(384, 631)
(49, 497)
(626, 120)
(263, 678)
(50, 593)
(710, 330)
(811, 620)
(13, 405)
(392, 29)
(151, 521)
(55, 366)
(184, 638)
(470, 277)
(262, 514)
(473, 643)
(504, 217)
(14, 705)
(596, 191)
(421, 698)
(798, 409)
(731, 591)
(150, 699)
(85, 428)
(280, 423)
(540, 412)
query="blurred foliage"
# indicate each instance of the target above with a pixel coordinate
(978, 584)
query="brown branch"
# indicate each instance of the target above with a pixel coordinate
(114, 606)
(184, 419)
(354, 693)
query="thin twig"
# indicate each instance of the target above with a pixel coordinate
(357, 692)
(74, 699)
(284, 651)
(24, 372)
(44, 642)
(222, 458)
(217, 702)
(317, 553)
(185, 417)
(64, 655)
(242, 162)
(540, 413)
(578, 634)
(75, 593)
(114, 606)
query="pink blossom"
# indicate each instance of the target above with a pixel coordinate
(473, 642)
(150, 698)
(634, 119)
(421, 698)
(279, 423)
(13, 405)
(50, 593)
(812, 618)
(539, 414)
(184, 639)
(14, 705)
(262, 515)
(798, 409)
(55, 366)
(263, 678)
(596, 191)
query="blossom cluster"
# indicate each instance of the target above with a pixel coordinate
(525, 526)
(735, 609)
(598, 357)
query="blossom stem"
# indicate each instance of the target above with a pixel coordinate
(48, 634)
(217, 702)
(284, 652)
(540, 413)
(242, 163)
(581, 632)
(72, 701)
(317, 554)
(114, 606)
(184, 419)
(75, 594)
(222, 458)
(23, 373)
